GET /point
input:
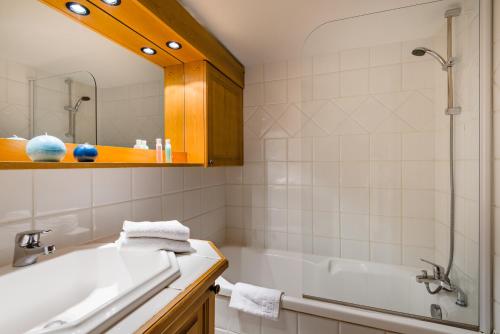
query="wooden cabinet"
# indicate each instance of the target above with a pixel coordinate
(193, 310)
(196, 318)
(224, 119)
(210, 130)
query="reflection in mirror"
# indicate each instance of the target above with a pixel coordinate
(61, 78)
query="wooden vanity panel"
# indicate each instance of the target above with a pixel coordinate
(174, 106)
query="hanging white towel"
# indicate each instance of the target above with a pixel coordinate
(171, 229)
(175, 246)
(256, 300)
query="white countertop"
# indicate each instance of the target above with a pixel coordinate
(191, 266)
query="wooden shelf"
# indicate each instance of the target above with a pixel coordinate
(13, 156)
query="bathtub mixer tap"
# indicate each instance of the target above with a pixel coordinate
(28, 247)
(440, 278)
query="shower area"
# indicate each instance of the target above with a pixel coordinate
(370, 161)
(64, 106)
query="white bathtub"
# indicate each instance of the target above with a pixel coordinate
(379, 286)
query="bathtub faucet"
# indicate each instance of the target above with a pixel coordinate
(440, 278)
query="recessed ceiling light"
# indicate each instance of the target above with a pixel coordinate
(77, 8)
(148, 51)
(174, 45)
(112, 2)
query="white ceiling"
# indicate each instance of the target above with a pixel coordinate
(35, 35)
(260, 31)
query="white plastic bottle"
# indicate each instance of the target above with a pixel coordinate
(168, 151)
(145, 144)
(159, 150)
(138, 144)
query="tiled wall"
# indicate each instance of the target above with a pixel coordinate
(127, 113)
(339, 156)
(80, 205)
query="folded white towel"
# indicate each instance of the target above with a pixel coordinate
(175, 246)
(171, 229)
(256, 300)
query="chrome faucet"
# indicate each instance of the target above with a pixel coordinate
(28, 247)
(440, 278)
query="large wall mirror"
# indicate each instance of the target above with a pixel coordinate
(61, 78)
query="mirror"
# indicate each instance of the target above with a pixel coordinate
(61, 78)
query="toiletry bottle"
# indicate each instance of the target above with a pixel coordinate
(138, 144)
(159, 150)
(168, 151)
(145, 144)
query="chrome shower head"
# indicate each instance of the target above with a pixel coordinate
(80, 100)
(421, 51)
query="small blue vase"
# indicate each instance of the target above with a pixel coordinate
(85, 153)
(46, 148)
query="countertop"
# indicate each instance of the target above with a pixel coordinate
(192, 267)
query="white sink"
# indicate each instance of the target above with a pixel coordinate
(83, 291)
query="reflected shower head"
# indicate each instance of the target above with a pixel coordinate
(421, 51)
(80, 100)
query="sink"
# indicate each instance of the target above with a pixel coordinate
(84, 290)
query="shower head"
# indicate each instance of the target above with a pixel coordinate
(80, 100)
(421, 51)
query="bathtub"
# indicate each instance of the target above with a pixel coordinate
(327, 291)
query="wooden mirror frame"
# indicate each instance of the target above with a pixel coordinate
(135, 24)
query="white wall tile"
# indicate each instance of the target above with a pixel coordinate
(326, 224)
(326, 86)
(109, 219)
(286, 324)
(355, 148)
(326, 173)
(111, 185)
(276, 173)
(68, 229)
(192, 178)
(353, 226)
(326, 149)
(385, 253)
(173, 207)
(385, 79)
(386, 147)
(385, 202)
(355, 200)
(146, 182)
(354, 58)
(326, 246)
(355, 174)
(354, 82)
(385, 54)
(276, 150)
(192, 203)
(309, 324)
(275, 91)
(61, 190)
(275, 71)
(354, 249)
(326, 63)
(173, 180)
(16, 195)
(8, 233)
(147, 209)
